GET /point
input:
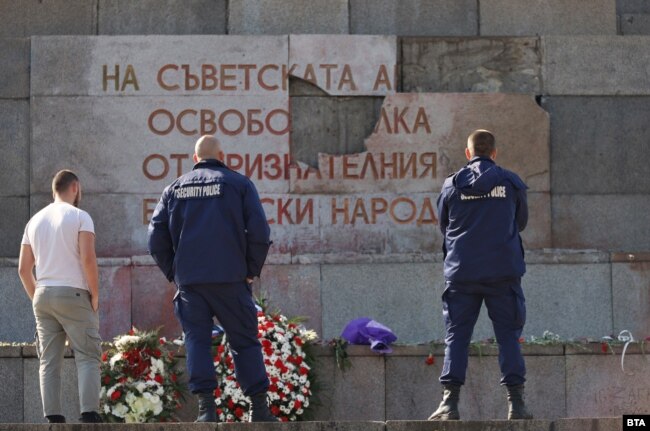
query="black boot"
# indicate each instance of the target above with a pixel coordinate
(90, 418)
(207, 408)
(259, 411)
(516, 404)
(448, 409)
(55, 419)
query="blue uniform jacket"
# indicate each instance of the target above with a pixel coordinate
(482, 208)
(209, 227)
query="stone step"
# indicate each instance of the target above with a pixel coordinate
(582, 424)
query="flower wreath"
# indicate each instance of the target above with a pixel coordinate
(140, 380)
(284, 344)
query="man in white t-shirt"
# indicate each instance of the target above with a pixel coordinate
(60, 242)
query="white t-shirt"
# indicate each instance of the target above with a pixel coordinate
(53, 234)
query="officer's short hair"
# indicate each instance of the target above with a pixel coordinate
(63, 180)
(481, 143)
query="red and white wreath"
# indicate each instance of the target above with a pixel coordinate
(283, 346)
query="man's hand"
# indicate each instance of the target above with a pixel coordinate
(249, 280)
(94, 302)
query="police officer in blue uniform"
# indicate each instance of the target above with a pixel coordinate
(482, 208)
(210, 236)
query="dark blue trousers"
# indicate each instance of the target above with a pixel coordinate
(233, 306)
(506, 308)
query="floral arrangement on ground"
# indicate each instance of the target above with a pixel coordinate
(289, 365)
(140, 379)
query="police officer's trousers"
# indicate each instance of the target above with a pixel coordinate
(506, 308)
(233, 305)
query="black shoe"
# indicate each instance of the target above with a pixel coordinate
(259, 411)
(55, 419)
(91, 418)
(207, 408)
(516, 405)
(448, 409)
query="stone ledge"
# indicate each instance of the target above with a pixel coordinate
(577, 424)
(533, 257)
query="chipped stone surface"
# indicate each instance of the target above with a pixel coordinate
(419, 140)
(343, 65)
(544, 17)
(479, 65)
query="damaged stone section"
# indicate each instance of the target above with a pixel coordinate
(419, 140)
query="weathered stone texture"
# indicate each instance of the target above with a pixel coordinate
(295, 291)
(631, 296)
(635, 24)
(11, 396)
(546, 17)
(151, 302)
(115, 301)
(357, 65)
(385, 293)
(14, 147)
(287, 17)
(162, 17)
(603, 221)
(33, 406)
(606, 154)
(16, 315)
(632, 6)
(493, 65)
(14, 68)
(570, 300)
(15, 215)
(341, 390)
(598, 394)
(414, 17)
(20, 18)
(596, 65)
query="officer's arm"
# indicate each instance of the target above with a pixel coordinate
(521, 212)
(257, 232)
(160, 240)
(443, 213)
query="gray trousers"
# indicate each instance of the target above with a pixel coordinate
(60, 312)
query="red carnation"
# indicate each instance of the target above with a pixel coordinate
(275, 410)
(123, 380)
(104, 356)
(159, 379)
(239, 412)
(231, 404)
(273, 388)
(107, 379)
(217, 393)
(430, 360)
(297, 404)
(298, 341)
(157, 353)
(132, 332)
(162, 342)
(303, 371)
(284, 419)
(116, 395)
